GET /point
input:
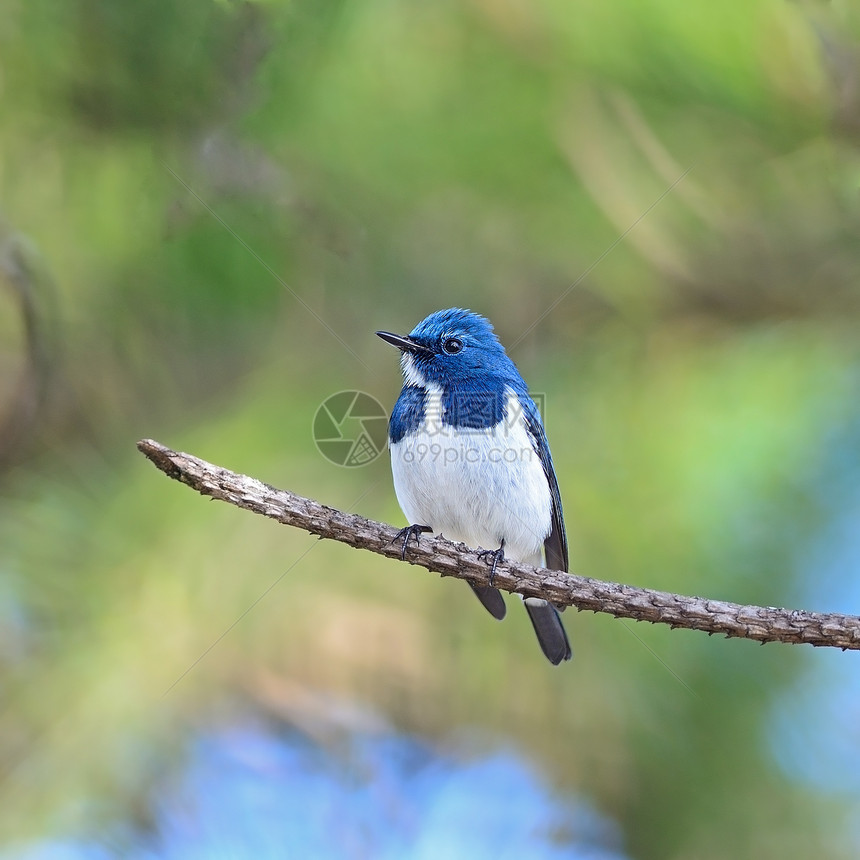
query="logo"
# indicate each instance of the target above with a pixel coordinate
(350, 428)
(473, 412)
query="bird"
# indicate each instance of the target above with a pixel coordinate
(470, 458)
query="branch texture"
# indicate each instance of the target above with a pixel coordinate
(763, 624)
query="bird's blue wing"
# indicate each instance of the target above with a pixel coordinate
(555, 545)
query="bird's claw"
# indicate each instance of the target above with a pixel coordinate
(413, 531)
(496, 555)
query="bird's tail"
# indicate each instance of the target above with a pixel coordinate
(491, 599)
(549, 630)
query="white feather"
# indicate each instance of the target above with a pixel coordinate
(475, 486)
(411, 374)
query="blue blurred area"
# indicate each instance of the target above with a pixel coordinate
(254, 792)
(816, 722)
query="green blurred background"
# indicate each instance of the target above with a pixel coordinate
(207, 208)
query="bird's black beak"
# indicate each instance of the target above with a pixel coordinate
(402, 342)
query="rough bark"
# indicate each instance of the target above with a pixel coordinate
(760, 623)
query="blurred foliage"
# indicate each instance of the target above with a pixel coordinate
(207, 209)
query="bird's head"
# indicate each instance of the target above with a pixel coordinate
(453, 346)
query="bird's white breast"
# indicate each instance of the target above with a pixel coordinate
(478, 486)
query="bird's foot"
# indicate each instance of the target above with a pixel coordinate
(496, 555)
(413, 531)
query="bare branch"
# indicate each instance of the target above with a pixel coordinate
(763, 624)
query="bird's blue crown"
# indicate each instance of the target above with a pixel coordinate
(458, 352)
(460, 349)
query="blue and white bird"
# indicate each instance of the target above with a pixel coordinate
(470, 458)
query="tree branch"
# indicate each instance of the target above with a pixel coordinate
(763, 624)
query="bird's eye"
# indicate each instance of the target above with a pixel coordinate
(452, 345)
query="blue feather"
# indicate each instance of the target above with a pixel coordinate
(408, 412)
(476, 406)
(555, 545)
